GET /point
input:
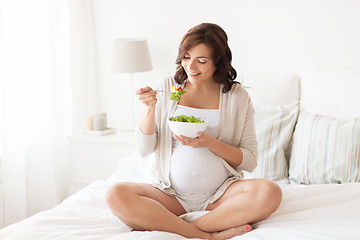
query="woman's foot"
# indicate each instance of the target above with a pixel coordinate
(232, 232)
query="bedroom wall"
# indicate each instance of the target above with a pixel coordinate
(265, 36)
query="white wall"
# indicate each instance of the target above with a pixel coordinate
(264, 35)
(83, 62)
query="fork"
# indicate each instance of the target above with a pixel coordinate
(162, 91)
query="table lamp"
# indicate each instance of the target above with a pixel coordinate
(131, 56)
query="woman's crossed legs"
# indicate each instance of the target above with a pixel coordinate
(144, 207)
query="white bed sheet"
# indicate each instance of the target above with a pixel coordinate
(306, 212)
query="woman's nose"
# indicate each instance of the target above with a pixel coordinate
(192, 65)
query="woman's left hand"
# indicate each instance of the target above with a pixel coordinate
(202, 140)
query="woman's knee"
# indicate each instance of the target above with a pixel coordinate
(270, 195)
(119, 194)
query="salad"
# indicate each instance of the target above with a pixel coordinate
(176, 93)
(184, 118)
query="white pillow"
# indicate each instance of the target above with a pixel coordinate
(274, 127)
(330, 92)
(325, 150)
(272, 89)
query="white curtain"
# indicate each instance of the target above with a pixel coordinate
(35, 92)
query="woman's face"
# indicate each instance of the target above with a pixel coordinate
(198, 64)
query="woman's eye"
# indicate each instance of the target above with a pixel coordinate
(202, 62)
(185, 57)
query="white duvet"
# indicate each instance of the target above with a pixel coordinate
(306, 212)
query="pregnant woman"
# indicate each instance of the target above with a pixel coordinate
(203, 173)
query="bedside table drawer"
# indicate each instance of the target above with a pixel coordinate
(93, 158)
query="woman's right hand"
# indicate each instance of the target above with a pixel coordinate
(147, 96)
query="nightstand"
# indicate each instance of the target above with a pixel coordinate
(95, 157)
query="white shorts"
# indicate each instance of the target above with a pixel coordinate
(198, 202)
(194, 202)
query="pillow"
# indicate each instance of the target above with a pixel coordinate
(274, 127)
(325, 150)
(339, 92)
(271, 89)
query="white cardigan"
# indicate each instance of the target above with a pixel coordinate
(236, 128)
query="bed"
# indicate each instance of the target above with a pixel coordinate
(314, 156)
(320, 211)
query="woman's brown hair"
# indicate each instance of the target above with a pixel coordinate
(214, 37)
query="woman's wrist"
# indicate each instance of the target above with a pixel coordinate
(149, 111)
(211, 143)
(147, 122)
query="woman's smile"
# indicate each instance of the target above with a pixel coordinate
(193, 74)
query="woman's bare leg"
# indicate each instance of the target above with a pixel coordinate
(245, 201)
(143, 207)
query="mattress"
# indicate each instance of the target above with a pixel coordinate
(330, 211)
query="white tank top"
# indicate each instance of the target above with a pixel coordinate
(197, 170)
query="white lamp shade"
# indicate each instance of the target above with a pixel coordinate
(130, 56)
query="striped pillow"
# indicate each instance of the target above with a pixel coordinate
(274, 127)
(325, 150)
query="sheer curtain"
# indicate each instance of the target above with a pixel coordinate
(35, 92)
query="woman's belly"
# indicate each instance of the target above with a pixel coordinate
(196, 170)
